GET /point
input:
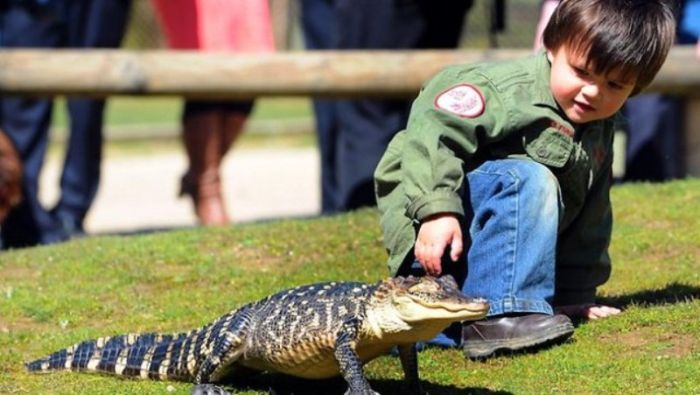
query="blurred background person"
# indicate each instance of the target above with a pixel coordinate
(353, 134)
(655, 147)
(209, 128)
(56, 24)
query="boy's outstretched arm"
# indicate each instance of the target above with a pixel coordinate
(437, 232)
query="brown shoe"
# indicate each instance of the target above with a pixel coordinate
(482, 339)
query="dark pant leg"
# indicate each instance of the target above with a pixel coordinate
(443, 21)
(318, 25)
(367, 126)
(91, 24)
(654, 147)
(81, 167)
(26, 122)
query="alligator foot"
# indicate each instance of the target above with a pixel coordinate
(367, 392)
(208, 389)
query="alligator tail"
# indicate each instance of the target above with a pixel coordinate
(145, 355)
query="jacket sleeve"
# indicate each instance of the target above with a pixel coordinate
(583, 261)
(440, 144)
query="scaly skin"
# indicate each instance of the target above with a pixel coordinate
(314, 331)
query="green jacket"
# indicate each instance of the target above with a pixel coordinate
(512, 114)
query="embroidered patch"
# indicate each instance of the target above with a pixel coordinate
(561, 128)
(463, 100)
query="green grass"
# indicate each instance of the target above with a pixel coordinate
(126, 111)
(142, 125)
(51, 297)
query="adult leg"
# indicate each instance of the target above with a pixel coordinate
(443, 23)
(653, 138)
(81, 167)
(91, 24)
(365, 129)
(318, 24)
(201, 136)
(654, 149)
(26, 122)
(209, 130)
(366, 126)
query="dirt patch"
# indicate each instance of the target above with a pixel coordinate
(646, 340)
(13, 273)
(679, 345)
(255, 258)
(22, 324)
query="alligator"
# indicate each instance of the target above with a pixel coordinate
(315, 331)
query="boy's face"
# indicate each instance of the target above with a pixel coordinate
(584, 95)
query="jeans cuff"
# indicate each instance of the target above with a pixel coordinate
(516, 305)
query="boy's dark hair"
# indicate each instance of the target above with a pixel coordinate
(634, 35)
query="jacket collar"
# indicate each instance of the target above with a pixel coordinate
(542, 77)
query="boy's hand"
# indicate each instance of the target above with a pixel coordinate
(435, 233)
(589, 311)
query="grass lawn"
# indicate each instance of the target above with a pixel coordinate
(54, 296)
(124, 111)
(139, 126)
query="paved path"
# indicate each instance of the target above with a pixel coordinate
(139, 193)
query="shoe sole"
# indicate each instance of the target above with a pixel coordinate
(483, 349)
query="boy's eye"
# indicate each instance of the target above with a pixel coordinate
(580, 71)
(615, 85)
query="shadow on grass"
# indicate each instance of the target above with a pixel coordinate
(287, 385)
(672, 293)
(161, 229)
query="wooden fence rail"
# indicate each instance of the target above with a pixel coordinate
(100, 73)
(308, 73)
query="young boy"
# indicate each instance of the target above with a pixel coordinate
(504, 169)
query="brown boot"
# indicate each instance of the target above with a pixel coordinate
(202, 139)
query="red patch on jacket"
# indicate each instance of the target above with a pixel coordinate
(561, 128)
(463, 100)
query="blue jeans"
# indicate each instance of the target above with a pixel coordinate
(512, 208)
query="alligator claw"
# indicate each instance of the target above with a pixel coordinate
(367, 392)
(208, 389)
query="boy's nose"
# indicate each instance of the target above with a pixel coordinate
(590, 91)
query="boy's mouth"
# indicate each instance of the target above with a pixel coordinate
(583, 107)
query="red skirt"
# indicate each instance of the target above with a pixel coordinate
(216, 25)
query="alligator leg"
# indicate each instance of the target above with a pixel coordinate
(409, 363)
(348, 361)
(208, 389)
(225, 351)
(224, 347)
